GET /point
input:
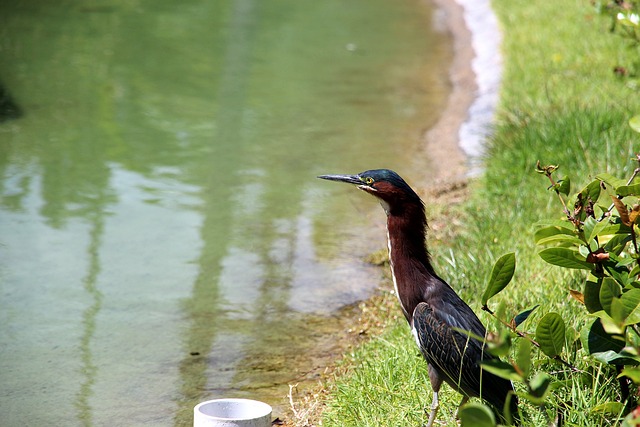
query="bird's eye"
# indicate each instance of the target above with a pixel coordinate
(368, 180)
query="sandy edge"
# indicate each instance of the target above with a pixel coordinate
(455, 144)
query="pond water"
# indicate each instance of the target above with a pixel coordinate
(163, 239)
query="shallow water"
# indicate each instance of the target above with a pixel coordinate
(163, 239)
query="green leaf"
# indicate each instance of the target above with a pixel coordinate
(564, 185)
(564, 257)
(601, 228)
(553, 234)
(475, 414)
(628, 190)
(618, 229)
(589, 226)
(502, 369)
(631, 302)
(596, 340)
(539, 388)
(502, 346)
(614, 227)
(501, 275)
(555, 223)
(550, 334)
(619, 274)
(634, 122)
(617, 311)
(592, 296)
(523, 359)
(560, 240)
(625, 261)
(611, 180)
(610, 326)
(632, 373)
(612, 358)
(608, 291)
(617, 243)
(591, 191)
(552, 230)
(521, 317)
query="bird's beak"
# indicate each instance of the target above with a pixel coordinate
(349, 179)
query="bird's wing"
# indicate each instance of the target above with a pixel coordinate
(456, 356)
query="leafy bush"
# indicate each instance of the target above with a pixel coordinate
(598, 235)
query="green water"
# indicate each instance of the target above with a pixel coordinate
(163, 239)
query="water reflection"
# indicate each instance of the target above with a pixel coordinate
(89, 368)
(162, 236)
(9, 109)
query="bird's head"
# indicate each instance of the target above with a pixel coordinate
(386, 185)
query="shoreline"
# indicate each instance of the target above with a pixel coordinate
(455, 144)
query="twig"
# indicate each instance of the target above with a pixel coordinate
(531, 340)
(293, 406)
(548, 172)
(510, 326)
(636, 171)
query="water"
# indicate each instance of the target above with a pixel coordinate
(163, 239)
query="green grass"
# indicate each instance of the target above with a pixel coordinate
(560, 104)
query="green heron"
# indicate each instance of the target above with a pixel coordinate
(445, 328)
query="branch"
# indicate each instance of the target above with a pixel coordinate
(514, 329)
(548, 172)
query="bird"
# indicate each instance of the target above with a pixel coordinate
(448, 333)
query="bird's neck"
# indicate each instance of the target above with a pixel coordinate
(409, 259)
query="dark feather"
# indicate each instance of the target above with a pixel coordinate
(457, 357)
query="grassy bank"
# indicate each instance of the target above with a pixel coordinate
(560, 103)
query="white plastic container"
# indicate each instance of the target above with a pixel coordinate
(232, 413)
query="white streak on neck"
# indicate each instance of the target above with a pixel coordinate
(393, 274)
(386, 208)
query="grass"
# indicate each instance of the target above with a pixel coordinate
(560, 104)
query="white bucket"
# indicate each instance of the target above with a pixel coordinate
(232, 413)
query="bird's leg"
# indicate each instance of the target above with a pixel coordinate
(464, 400)
(434, 409)
(436, 382)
